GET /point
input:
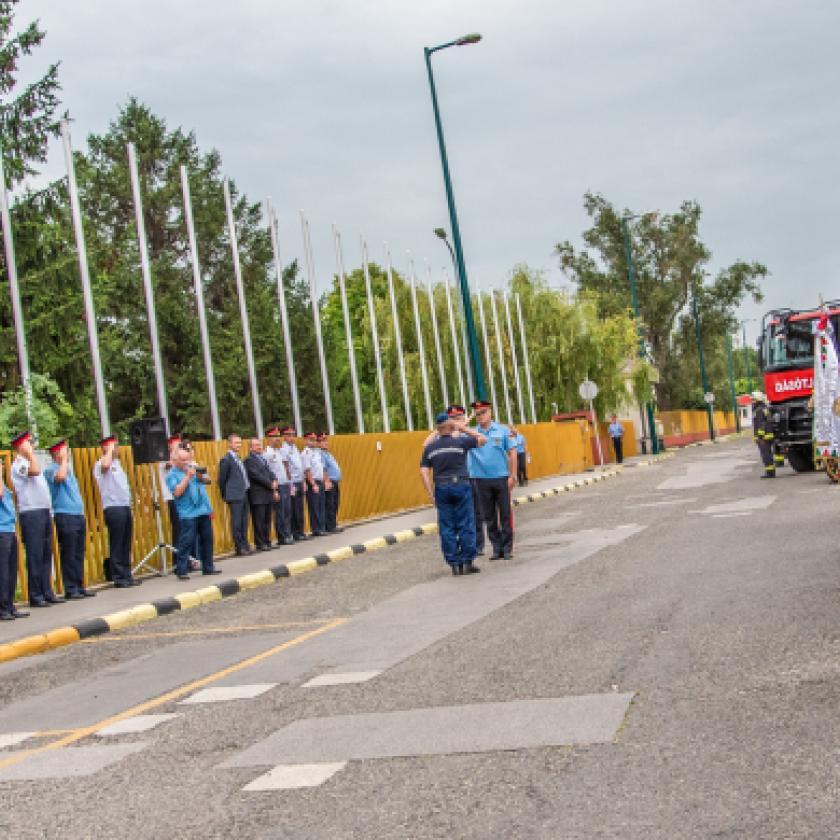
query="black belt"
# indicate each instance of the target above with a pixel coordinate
(452, 479)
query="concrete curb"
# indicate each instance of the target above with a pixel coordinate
(92, 627)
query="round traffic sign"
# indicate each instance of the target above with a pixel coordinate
(709, 397)
(588, 390)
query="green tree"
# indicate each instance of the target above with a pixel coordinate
(670, 261)
(52, 414)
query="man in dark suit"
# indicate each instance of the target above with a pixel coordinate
(234, 484)
(261, 494)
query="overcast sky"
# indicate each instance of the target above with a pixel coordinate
(324, 105)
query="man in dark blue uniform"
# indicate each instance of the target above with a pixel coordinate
(443, 469)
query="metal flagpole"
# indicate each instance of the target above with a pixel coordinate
(243, 311)
(148, 289)
(525, 356)
(90, 313)
(316, 318)
(424, 374)
(501, 355)
(452, 334)
(351, 351)
(522, 417)
(377, 356)
(199, 300)
(284, 318)
(17, 308)
(467, 364)
(487, 350)
(444, 391)
(398, 336)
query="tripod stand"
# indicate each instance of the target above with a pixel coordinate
(161, 546)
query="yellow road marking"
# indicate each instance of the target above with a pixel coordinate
(115, 637)
(140, 708)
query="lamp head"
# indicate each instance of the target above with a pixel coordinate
(440, 233)
(472, 38)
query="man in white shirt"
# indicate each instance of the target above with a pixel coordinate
(34, 503)
(313, 471)
(116, 506)
(297, 477)
(278, 462)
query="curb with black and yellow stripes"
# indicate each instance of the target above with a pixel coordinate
(92, 627)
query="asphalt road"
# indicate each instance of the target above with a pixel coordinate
(661, 659)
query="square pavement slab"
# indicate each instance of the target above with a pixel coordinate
(350, 678)
(64, 762)
(292, 776)
(132, 725)
(223, 693)
(483, 727)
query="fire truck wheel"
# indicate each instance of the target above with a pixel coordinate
(801, 458)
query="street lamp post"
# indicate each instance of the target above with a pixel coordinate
(746, 354)
(731, 372)
(475, 357)
(703, 378)
(634, 295)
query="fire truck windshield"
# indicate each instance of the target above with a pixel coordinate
(789, 344)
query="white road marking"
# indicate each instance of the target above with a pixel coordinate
(9, 739)
(341, 679)
(659, 502)
(138, 723)
(291, 776)
(730, 515)
(704, 472)
(747, 506)
(221, 693)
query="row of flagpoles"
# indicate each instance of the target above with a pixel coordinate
(93, 337)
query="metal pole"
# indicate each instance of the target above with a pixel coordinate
(148, 289)
(487, 356)
(316, 318)
(732, 382)
(398, 337)
(424, 374)
(90, 313)
(467, 365)
(475, 356)
(243, 311)
(351, 350)
(284, 317)
(444, 391)
(631, 274)
(525, 356)
(747, 357)
(17, 307)
(377, 356)
(703, 378)
(597, 432)
(199, 300)
(501, 353)
(456, 353)
(522, 418)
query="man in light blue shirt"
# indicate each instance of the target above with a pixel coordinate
(332, 482)
(194, 511)
(8, 555)
(493, 466)
(69, 518)
(517, 439)
(616, 431)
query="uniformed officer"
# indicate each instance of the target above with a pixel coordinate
(69, 518)
(35, 512)
(494, 468)
(116, 507)
(443, 469)
(8, 555)
(298, 488)
(763, 433)
(313, 471)
(278, 462)
(332, 485)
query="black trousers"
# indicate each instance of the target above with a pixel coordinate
(239, 523)
(120, 522)
(479, 521)
(261, 521)
(618, 446)
(176, 529)
(71, 531)
(521, 468)
(765, 449)
(316, 507)
(36, 530)
(8, 570)
(283, 514)
(332, 500)
(494, 498)
(298, 525)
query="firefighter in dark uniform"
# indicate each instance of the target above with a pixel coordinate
(763, 433)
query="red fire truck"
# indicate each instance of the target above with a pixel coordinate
(786, 356)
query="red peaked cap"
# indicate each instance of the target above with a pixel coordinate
(17, 440)
(454, 410)
(274, 431)
(106, 440)
(57, 445)
(479, 404)
(311, 435)
(287, 430)
(173, 439)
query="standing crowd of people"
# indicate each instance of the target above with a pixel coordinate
(268, 486)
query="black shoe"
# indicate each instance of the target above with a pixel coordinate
(769, 475)
(213, 572)
(19, 613)
(135, 582)
(74, 596)
(54, 600)
(508, 555)
(122, 584)
(335, 530)
(183, 577)
(301, 537)
(4, 616)
(264, 548)
(496, 555)
(470, 569)
(86, 593)
(457, 570)
(39, 603)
